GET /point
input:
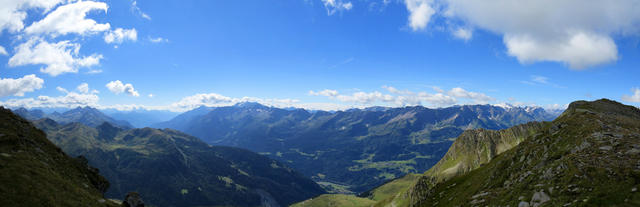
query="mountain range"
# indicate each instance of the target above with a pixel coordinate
(348, 151)
(170, 168)
(588, 156)
(86, 115)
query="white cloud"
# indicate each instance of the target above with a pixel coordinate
(325, 92)
(70, 18)
(574, 32)
(13, 12)
(17, 87)
(158, 39)
(420, 12)
(334, 6)
(118, 87)
(83, 88)
(60, 57)
(94, 71)
(406, 97)
(150, 95)
(540, 79)
(463, 33)
(3, 51)
(61, 89)
(633, 98)
(136, 9)
(216, 100)
(579, 50)
(119, 35)
(69, 100)
(478, 98)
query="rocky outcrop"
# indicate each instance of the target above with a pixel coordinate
(132, 199)
(476, 147)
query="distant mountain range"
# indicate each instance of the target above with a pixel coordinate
(141, 118)
(170, 168)
(34, 172)
(588, 156)
(353, 150)
(85, 115)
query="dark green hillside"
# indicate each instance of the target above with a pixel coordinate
(348, 151)
(587, 157)
(34, 172)
(170, 168)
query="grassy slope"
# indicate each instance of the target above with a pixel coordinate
(34, 172)
(336, 200)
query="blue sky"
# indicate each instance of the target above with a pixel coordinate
(317, 54)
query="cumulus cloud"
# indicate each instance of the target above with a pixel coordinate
(119, 35)
(632, 98)
(326, 92)
(574, 32)
(480, 98)
(70, 18)
(69, 100)
(60, 57)
(217, 100)
(118, 87)
(13, 13)
(577, 50)
(420, 12)
(17, 87)
(406, 97)
(334, 6)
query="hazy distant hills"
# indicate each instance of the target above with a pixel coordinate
(34, 172)
(351, 150)
(141, 118)
(170, 168)
(85, 115)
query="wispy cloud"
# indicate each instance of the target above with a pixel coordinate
(344, 62)
(537, 80)
(158, 40)
(335, 6)
(137, 10)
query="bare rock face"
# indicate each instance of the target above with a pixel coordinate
(132, 199)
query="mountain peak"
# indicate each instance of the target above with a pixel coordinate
(248, 104)
(602, 106)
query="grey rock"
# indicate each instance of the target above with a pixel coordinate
(132, 199)
(523, 204)
(605, 148)
(581, 147)
(539, 198)
(633, 151)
